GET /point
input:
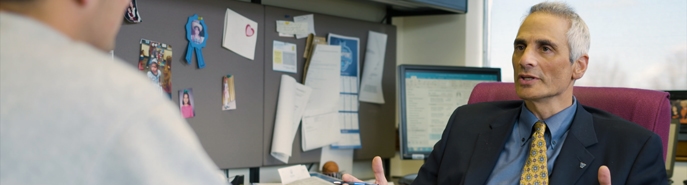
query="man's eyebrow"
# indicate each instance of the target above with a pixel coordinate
(519, 41)
(544, 42)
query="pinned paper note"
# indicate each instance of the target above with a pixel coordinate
(284, 57)
(320, 119)
(240, 34)
(291, 28)
(371, 85)
(320, 130)
(323, 77)
(311, 24)
(348, 104)
(293, 98)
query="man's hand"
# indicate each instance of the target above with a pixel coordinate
(604, 175)
(378, 170)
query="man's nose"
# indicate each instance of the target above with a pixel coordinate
(528, 58)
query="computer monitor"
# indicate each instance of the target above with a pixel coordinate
(429, 95)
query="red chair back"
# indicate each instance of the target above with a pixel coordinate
(648, 108)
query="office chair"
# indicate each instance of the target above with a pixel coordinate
(648, 108)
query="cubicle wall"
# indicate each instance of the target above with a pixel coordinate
(377, 128)
(231, 138)
(242, 138)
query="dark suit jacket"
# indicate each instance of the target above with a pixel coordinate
(475, 136)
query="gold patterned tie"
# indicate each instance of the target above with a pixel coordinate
(535, 172)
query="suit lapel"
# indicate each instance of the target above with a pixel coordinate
(489, 145)
(574, 159)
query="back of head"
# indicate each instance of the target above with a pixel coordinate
(578, 34)
(95, 22)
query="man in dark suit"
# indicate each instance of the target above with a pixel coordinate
(548, 138)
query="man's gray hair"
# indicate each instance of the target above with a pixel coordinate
(578, 34)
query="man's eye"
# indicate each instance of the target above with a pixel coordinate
(546, 48)
(520, 47)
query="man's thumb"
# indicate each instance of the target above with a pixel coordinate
(604, 175)
(378, 170)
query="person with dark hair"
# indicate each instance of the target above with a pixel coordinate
(102, 121)
(186, 108)
(548, 137)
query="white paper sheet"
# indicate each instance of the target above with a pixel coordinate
(342, 157)
(293, 173)
(320, 124)
(291, 28)
(320, 130)
(323, 77)
(240, 34)
(293, 98)
(371, 85)
(310, 19)
(284, 57)
(285, 35)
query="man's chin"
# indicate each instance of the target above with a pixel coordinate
(527, 93)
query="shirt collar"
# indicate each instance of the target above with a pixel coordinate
(557, 124)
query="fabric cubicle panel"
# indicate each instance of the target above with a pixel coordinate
(376, 121)
(232, 138)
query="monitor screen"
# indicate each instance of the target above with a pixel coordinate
(429, 95)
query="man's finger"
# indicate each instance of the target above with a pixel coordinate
(349, 178)
(604, 175)
(378, 169)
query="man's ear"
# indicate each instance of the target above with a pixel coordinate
(580, 67)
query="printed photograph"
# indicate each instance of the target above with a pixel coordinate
(197, 32)
(186, 103)
(679, 111)
(228, 93)
(155, 59)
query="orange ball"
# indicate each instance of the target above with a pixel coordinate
(330, 167)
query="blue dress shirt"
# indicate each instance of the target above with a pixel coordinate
(512, 158)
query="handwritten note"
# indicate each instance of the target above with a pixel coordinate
(291, 28)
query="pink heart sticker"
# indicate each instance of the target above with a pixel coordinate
(249, 31)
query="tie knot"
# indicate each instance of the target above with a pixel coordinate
(539, 126)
